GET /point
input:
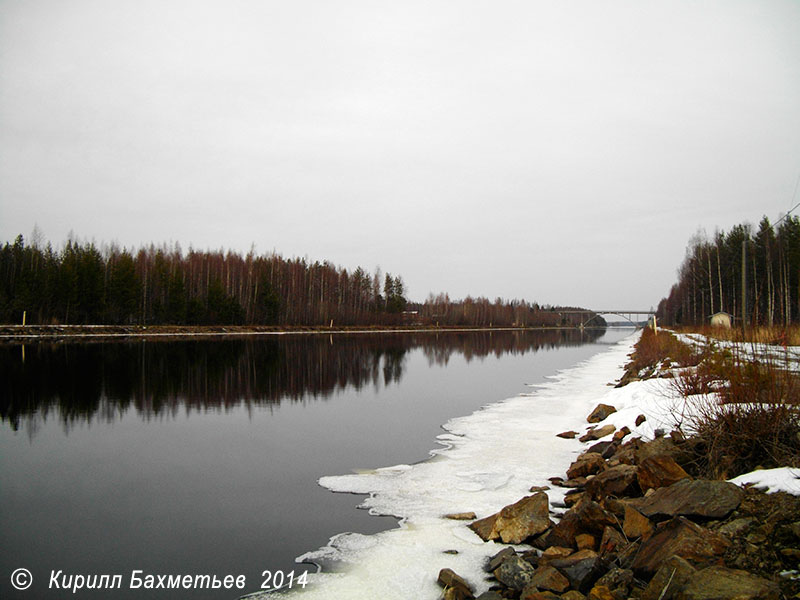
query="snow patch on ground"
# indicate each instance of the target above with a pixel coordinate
(783, 479)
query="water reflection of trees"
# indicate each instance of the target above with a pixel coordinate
(81, 382)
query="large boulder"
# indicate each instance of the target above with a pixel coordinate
(720, 583)
(678, 537)
(659, 471)
(601, 413)
(526, 517)
(484, 528)
(549, 578)
(657, 447)
(583, 574)
(585, 517)
(516, 522)
(588, 463)
(515, 572)
(635, 524)
(699, 498)
(456, 588)
(616, 481)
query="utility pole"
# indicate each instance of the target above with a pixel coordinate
(744, 284)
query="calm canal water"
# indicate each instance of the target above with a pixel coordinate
(202, 457)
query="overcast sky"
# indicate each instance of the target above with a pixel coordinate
(563, 152)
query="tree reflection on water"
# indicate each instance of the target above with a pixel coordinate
(83, 382)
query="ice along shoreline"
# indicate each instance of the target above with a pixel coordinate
(484, 462)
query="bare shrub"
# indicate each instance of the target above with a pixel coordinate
(752, 418)
(739, 438)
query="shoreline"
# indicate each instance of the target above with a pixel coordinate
(482, 462)
(630, 518)
(25, 333)
(485, 464)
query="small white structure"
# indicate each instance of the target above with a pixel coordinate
(721, 319)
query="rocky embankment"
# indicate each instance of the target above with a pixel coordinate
(635, 524)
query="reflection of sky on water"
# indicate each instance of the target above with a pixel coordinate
(229, 485)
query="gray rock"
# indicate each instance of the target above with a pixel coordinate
(737, 526)
(616, 481)
(497, 560)
(583, 574)
(678, 537)
(514, 572)
(697, 498)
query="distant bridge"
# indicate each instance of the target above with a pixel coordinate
(593, 314)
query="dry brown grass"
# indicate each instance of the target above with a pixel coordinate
(663, 347)
(753, 419)
(744, 403)
(779, 336)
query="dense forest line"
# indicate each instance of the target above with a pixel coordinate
(710, 278)
(84, 284)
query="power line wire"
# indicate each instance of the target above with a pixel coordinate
(794, 195)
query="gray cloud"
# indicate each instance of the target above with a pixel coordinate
(561, 152)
